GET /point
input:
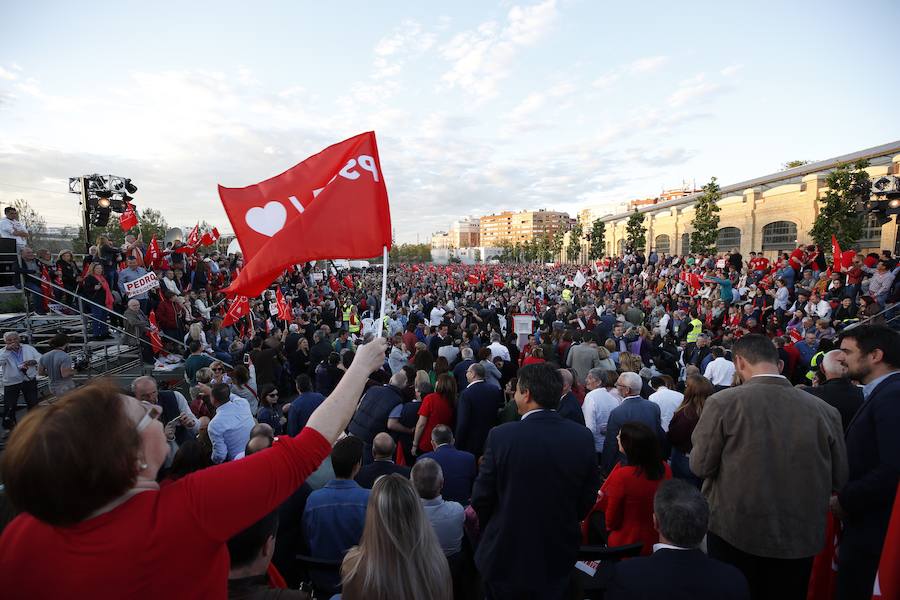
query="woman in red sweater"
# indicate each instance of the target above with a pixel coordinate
(626, 497)
(437, 409)
(96, 525)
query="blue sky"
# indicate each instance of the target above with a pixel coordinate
(478, 106)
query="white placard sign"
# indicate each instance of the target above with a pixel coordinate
(522, 324)
(142, 284)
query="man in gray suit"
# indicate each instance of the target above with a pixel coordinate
(633, 409)
(583, 357)
(770, 455)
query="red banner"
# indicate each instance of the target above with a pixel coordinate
(154, 254)
(305, 213)
(836, 253)
(284, 311)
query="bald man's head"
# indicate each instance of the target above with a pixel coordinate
(260, 442)
(834, 364)
(383, 446)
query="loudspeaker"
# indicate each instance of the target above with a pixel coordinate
(9, 258)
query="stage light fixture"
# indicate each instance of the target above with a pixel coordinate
(130, 187)
(103, 202)
(104, 193)
(100, 217)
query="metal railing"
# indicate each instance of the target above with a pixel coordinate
(887, 308)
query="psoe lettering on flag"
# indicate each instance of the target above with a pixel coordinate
(141, 285)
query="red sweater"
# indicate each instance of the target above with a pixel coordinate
(627, 504)
(159, 544)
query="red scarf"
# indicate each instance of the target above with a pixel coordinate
(105, 284)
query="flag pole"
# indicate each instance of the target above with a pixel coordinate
(381, 328)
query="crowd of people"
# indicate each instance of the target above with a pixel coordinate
(508, 414)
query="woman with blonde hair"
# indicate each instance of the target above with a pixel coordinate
(195, 332)
(630, 362)
(398, 557)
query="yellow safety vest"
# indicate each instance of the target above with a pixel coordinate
(354, 324)
(696, 330)
(346, 312)
(567, 294)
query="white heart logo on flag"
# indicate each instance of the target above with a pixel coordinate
(267, 220)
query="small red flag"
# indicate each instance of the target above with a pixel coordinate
(348, 281)
(334, 284)
(154, 254)
(887, 581)
(194, 236)
(284, 311)
(128, 219)
(302, 214)
(155, 339)
(473, 279)
(240, 308)
(46, 290)
(836, 253)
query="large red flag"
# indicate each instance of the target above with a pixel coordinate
(194, 236)
(332, 205)
(239, 309)
(128, 219)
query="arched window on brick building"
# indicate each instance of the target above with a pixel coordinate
(779, 235)
(728, 239)
(662, 244)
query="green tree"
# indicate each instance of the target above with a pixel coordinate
(151, 222)
(573, 250)
(842, 208)
(556, 243)
(598, 239)
(793, 164)
(635, 232)
(706, 219)
(33, 222)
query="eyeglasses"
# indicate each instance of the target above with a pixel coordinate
(219, 370)
(152, 412)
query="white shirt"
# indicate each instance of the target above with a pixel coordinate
(821, 309)
(598, 404)
(525, 416)
(498, 349)
(668, 401)
(437, 315)
(10, 361)
(720, 371)
(8, 229)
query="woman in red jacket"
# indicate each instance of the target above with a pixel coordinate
(626, 497)
(94, 522)
(437, 409)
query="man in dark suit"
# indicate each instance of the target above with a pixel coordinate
(838, 390)
(373, 411)
(476, 411)
(458, 466)
(633, 408)
(677, 569)
(873, 454)
(383, 448)
(462, 368)
(569, 408)
(538, 480)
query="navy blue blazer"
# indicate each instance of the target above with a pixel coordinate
(632, 409)
(538, 480)
(476, 413)
(459, 372)
(459, 472)
(676, 575)
(873, 455)
(570, 409)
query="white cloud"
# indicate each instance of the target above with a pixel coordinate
(640, 66)
(8, 75)
(408, 41)
(730, 70)
(694, 90)
(482, 57)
